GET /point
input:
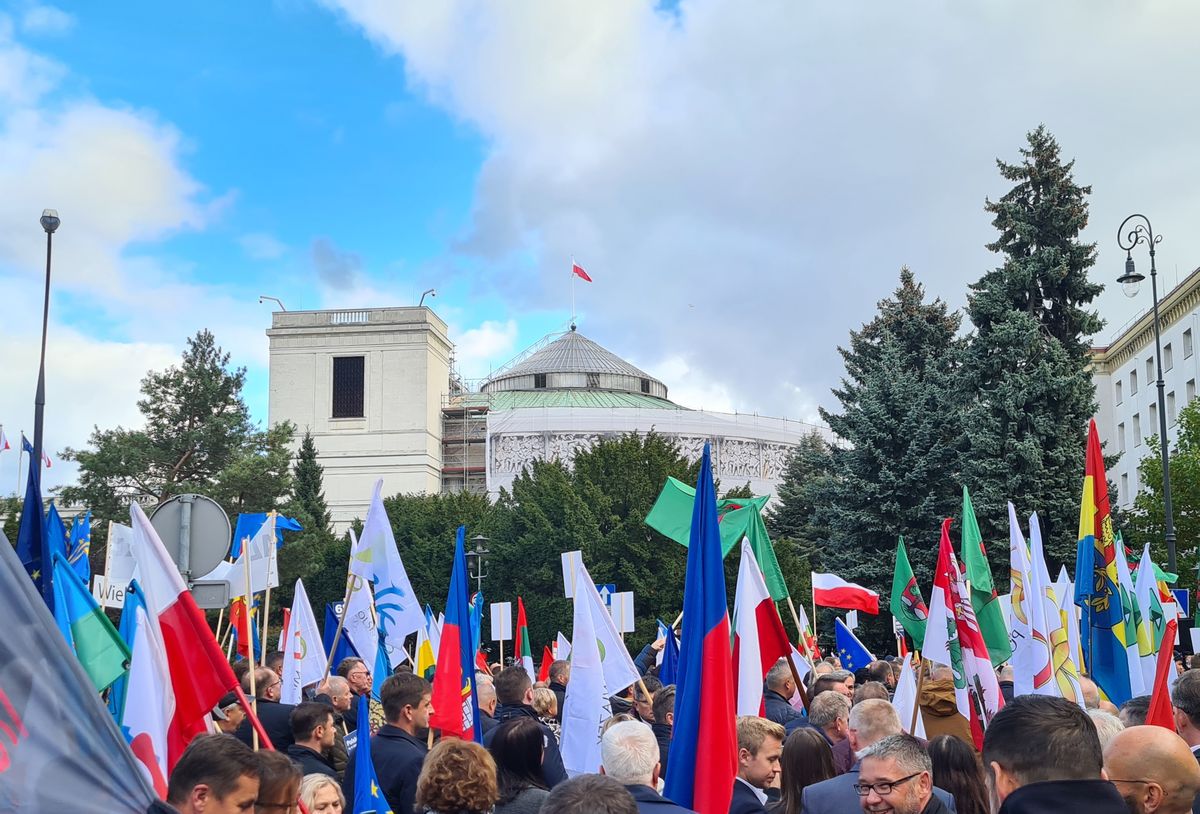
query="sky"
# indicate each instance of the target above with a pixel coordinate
(742, 181)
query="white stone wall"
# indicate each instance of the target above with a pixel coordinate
(407, 369)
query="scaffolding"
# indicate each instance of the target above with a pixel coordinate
(464, 437)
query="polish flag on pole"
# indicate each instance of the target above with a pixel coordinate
(200, 675)
(147, 720)
(759, 638)
(4, 441)
(578, 271)
(830, 591)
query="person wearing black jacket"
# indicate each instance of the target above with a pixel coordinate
(664, 724)
(314, 732)
(276, 718)
(398, 748)
(514, 692)
(560, 674)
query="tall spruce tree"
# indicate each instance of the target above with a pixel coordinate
(896, 473)
(1026, 384)
(307, 489)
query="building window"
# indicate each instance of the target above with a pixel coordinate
(1187, 344)
(645, 385)
(1133, 382)
(1120, 388)
(1137, 430)
(1121, 437)
(1150, 370)
(348, 381)
(1191, 390)
(1153, 418)
(1124, 496)
(1171, 408)
(593, 381)
(1168, 357)
(539, 380)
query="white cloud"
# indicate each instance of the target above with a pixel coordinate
(745, 180)
(262, 246)
(46, 20)
(480, 350)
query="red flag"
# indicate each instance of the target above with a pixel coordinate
(578, 271)
(239, 620)
(1161, 712)
(544, 668)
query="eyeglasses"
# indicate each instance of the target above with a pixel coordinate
(358, 674)
(882, 789)
(1147, 782)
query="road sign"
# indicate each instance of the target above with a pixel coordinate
(606, 593)
(195, 531)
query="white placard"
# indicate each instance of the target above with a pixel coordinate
(501, 621)
(571, 560)
(622, 611)
(851, 620)
(116, 593)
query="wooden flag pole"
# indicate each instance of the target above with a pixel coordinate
(220, 620)
(266, 624)
(912, 724)
(337, 636)
(253, 685)
(678, 619)
(107, 565)
(800, 631)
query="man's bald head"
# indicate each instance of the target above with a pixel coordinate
(1153, 769)
(1091, 693)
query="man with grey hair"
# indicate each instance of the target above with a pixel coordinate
(829, 712)
(1107, 725)
(776, 700)
(839, 681)
(629, 755)
(870, 722)
(896, 776)
(486, 694)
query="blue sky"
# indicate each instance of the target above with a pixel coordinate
(743, 181)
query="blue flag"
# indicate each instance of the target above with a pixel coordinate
(31, 536)
(134, 599)
(850, 650)
(81, 546)
(476, 621)
(368, 799)
(84, 626)
(249, 524)
(668, 671)
(345, 648)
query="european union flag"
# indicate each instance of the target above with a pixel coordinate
(81, 546)
(368, 799)
(850, 650)
(668, 671)
(31, 535)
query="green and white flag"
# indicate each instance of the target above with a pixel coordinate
(984, 601)
(907, 605)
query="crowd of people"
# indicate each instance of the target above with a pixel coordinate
(845, 750)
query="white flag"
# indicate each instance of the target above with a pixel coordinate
(359, 614)
(586, 705)
(120, 566)
(619, 671)
(151, 701)
(1145, 588)
(1030, 650)
(562, 647)
(1064, 678)
(264, 563)
(1137, 683)
(303, 658)
(905, 699)
(378, 560)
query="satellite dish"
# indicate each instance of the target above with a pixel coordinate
(195, 531)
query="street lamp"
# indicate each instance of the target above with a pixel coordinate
(476, 560)
(1131, 281)
(50, 222)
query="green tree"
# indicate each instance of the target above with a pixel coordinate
(895, 474)
(304, 554)
(197, 436)
(10, 507)
(1026, 385)
(1145, 523)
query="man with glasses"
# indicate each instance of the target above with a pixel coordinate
(358, 676)
(1153, 770)
(276, 718)
(871, 721)
(896, 776)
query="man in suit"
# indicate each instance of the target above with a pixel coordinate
(776, 700)
(560, 674)
(1186, 701)
(276, 718)
(1153, 770)
(398, 749)
(313, 731)
(870, 722)
(629, 755)
(760, 744)
(830, 713)
(897, 776)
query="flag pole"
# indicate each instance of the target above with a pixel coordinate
(912, 725)
(572, 316)
(267, 601)
(220, 620)
(21, 454)
(107, 565)
(800, 629)
(337, 635)
(249, 605)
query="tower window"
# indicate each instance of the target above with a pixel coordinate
(645, 385)
(539, 380)
(348, 381)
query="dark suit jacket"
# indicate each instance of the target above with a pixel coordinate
(745, 801)
(837, 795)
(397, 757)
(311, 762)
(560, 692)
(276, 719)
(843, 756)
(781, 712)
(552, 764)
(650, 801)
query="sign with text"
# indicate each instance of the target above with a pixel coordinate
(114, 598)
(501, 621)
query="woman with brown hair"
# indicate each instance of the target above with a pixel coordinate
(459, 777)
(956, 769)
(806, 759)
(278, 783)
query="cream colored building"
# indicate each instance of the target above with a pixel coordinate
(370, 386)
(1125, 376)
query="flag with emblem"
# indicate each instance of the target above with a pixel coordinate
(978, 575)
(853, 653)
(368, 799)
(425, 657)
(455, 702)
(81, 546)
(31, 534)
(907, 605)
(303, 657)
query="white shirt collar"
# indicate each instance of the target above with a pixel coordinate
(759, 793)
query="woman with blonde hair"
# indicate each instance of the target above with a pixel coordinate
(321, 794)
(459, 777)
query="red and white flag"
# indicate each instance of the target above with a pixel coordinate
(4, 441)
(831, 591)
(578, 271)
(953, 637)
(152, 702)
(759, 639)
(199, 673)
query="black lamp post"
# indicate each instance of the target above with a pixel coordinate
(1131, 280)
(49, 222)
(476, 560)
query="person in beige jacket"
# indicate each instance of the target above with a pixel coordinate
(939, 710)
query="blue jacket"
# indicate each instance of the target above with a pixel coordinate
(650, 801)
(745, 801)
(397, 757)
(837, 795)
(780, 711)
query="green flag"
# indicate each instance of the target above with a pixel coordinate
(671, 516)
(908, 607)
(96, 643)
(984, 601)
